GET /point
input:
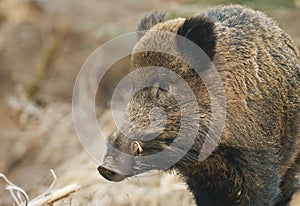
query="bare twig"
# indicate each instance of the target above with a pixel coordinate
(12, 188)
(53, 182)
(48, 197)
(55, 196)
(21, 198)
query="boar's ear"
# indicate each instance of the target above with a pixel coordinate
(148, 21)
(201, 31)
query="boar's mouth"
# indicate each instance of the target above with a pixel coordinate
(111, 175)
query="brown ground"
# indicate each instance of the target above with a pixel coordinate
(42, 47)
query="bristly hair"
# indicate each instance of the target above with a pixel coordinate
(200, 30)
(148, 21)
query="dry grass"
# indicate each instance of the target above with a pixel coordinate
(79, 171)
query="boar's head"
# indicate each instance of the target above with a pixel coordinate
(168, 116)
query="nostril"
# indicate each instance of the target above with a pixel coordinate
(110, 174)
(101, 169)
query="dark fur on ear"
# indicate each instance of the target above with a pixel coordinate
(200, 30)
(148, 21)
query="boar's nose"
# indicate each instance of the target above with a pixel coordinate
(110, 174)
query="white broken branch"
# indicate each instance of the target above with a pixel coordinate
(21, 198)
(52, 197)
(16, 191)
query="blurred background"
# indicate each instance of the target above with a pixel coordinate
(43, 44)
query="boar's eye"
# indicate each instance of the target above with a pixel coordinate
(161, 87)
(136, 148)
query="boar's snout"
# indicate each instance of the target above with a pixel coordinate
(110, 174)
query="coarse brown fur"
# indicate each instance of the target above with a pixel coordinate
(257, 160)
